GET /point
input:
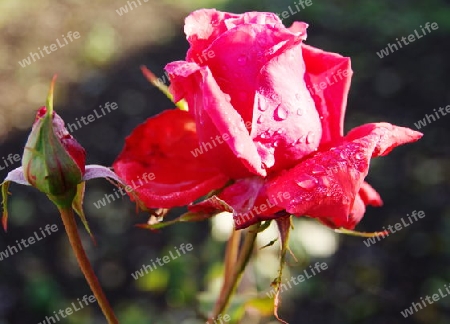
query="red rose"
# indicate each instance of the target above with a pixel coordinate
(269, 114)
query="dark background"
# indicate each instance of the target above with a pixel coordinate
(362, 284)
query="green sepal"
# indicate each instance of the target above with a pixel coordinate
(77, 206)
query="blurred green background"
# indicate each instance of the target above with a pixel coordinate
(361, 285)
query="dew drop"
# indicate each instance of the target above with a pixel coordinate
(359, 156)
(281, 113)
(310, 138)
(318, 169)
(275, 97)
(325, 181)
(298, 96)
(276, 143)
(345, 200)
(280, 131)
(300, 111)
(263, 135)
(300, 140)
(242, 60)
(262, 105)
(306, 182)
(343, 155)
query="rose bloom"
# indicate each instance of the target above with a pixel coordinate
(265, 126)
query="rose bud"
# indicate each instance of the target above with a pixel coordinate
(53, 161)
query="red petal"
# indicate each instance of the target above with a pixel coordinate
(326, 185)
(162, 147)
(328, 77)
(71, 145)
(369, 195)
(221, 130)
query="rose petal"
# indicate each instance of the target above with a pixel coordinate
(221, 130)
(326, 185)
(328, 77)
(387, 136)
(203, 26)
(162, 148)
(286, 123)
(236, 71)
(369, 195)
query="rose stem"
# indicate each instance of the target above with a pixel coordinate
(83, 261)
(229, 286)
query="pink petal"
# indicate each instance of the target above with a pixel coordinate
(386, 136)
(328, 77)
(237, 71)
(326, 185)
(286, 123)
(203, 27)
(221, 130)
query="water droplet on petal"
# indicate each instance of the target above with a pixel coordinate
(300, 111)
(260, 119)
(318, 169)
(262, 104)
(321, 117)
(280, 131)
(310, 138)
(281, 113)
(300, 140)
(263, 135)
(345, 200)
(276, 143)
(343, 155)
(275, 97)
(325, 181)
(242, 60)
(298, 96)
(359, 156)
(306, 182)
